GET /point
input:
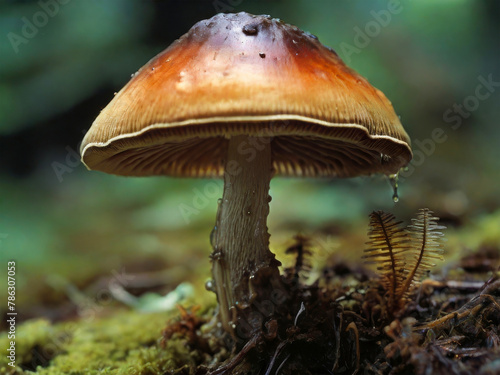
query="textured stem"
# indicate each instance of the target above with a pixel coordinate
(241, 240)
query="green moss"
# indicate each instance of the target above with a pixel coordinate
(125, 343)
(30, 335)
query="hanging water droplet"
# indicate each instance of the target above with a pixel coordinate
(393, 180)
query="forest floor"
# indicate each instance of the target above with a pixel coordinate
(337, 318)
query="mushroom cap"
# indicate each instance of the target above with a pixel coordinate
(236, 74)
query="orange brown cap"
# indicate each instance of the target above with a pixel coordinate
(236, 74)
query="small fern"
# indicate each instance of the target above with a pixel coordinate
(425, 246)
(403, 255)
(387, 245)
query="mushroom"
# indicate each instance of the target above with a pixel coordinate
(246, 98)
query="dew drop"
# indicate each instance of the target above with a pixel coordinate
(212, 236)
(210, 286)
(312, 36)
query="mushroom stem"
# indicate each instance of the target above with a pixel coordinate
(241, 240)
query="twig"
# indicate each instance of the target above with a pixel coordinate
(237, 358)
(471, 308)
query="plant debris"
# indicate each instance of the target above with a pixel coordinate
(348, 323)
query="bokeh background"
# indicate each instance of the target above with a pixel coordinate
(69, 229)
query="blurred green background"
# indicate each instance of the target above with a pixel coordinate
(69, 229)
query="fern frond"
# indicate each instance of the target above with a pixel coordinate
(386, 247)
(426, 247)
